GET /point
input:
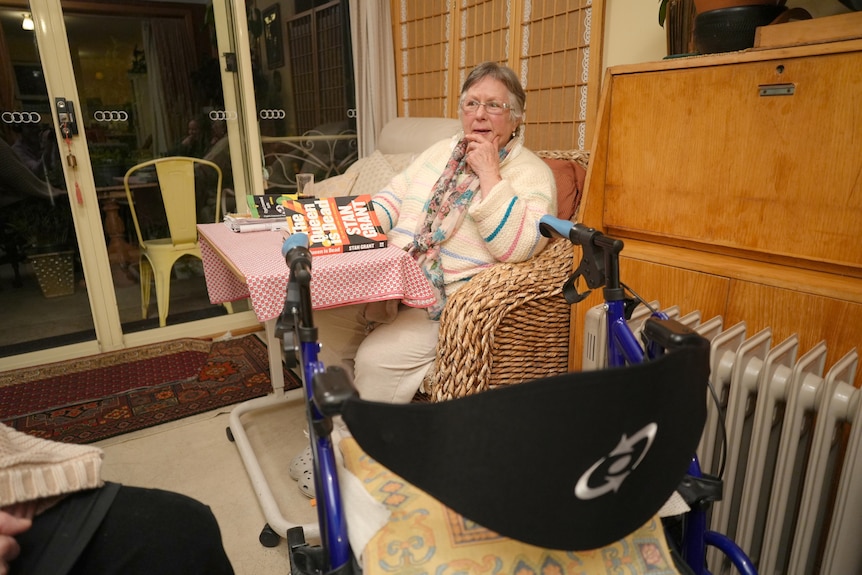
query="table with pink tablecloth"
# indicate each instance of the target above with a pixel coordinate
(249, 264)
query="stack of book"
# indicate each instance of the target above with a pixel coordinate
(334, 225)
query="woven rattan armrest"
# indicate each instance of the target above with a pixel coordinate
(508, 324)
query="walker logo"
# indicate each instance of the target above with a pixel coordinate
(608, 473)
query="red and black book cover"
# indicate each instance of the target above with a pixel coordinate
(336, 225)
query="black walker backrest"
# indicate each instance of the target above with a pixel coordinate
(575, 462)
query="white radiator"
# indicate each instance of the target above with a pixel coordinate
(793, 466)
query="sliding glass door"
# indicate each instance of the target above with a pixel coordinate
(90, 90)
(42, 286)
(150, 88)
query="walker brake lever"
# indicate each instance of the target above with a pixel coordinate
(629, 306)
(285, 330)
(571, 293)
(591, 267)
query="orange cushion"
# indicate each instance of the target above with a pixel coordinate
(570, 177)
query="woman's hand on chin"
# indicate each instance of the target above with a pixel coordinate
(483, 157)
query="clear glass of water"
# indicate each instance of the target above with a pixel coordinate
(305, 185)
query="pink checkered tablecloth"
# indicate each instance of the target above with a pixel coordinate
(242, 265)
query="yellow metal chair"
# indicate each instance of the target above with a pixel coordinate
(176, 180)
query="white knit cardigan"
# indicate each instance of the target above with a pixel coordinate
(502, 227)
(35, 469)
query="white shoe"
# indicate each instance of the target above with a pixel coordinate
(300, 464)
(306, 483)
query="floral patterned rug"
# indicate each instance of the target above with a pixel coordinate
(90, 399)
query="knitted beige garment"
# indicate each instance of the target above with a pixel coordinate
(32, 468)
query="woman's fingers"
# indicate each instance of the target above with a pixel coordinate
(10, 525)
(9, 550)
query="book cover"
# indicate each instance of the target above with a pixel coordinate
(269, 205)
(335, 225)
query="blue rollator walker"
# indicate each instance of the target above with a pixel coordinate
(599, 267)
(608, 447)
(300, 347)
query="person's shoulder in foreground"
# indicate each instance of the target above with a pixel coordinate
(58, 517)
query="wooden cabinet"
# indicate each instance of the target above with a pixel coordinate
(735, 181)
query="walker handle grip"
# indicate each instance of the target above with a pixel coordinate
(550, 226)
(297, 299)
(293, 241)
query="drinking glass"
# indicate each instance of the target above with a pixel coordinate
(305, 185)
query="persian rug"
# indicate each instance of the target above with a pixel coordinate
(94, 398)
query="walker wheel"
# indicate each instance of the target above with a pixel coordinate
(268, 537)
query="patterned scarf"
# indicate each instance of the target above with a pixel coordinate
(444, 213)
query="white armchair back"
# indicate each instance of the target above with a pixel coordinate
(414, 135)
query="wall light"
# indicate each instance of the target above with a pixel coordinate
(28, 24)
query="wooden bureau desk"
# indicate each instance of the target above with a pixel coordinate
(735, 181)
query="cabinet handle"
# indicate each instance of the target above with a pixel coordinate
(777, 89)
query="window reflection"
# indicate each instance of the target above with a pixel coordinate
(145, 71)
(306, 93)
(40, 269)
(151, 88)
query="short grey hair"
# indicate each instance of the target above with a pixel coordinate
(504, 74)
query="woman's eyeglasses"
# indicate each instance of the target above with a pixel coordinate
(492, 107)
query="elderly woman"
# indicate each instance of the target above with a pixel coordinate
(462, 206)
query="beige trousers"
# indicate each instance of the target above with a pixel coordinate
(389, 363)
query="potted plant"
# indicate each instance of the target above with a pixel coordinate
(677, 18)
(729, 25)
(47, 232)
(662, 11)
(702, 6)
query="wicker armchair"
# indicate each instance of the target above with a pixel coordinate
(509, 324)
